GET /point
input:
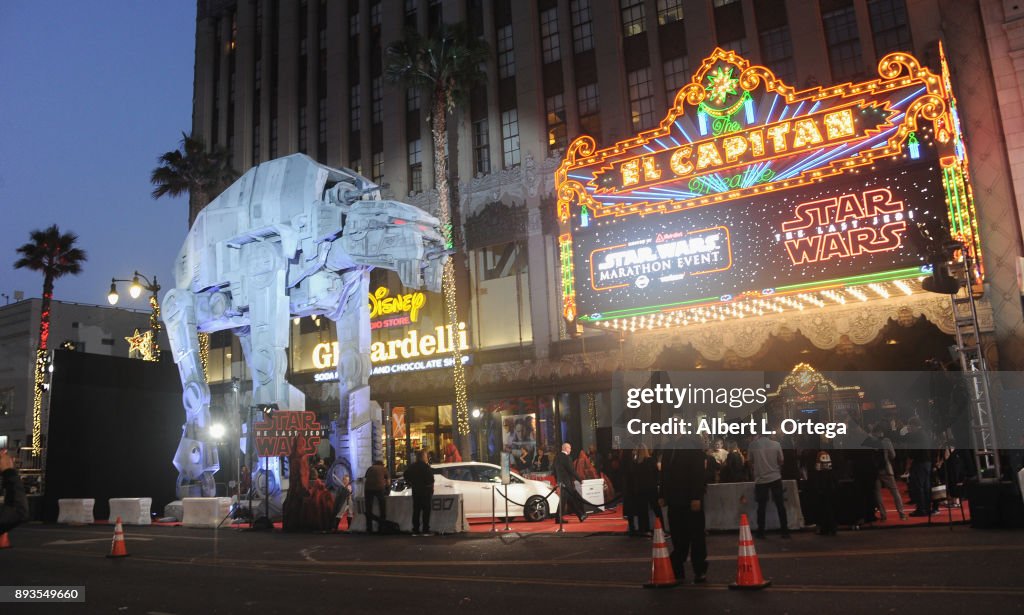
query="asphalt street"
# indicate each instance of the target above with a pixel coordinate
(179, 570)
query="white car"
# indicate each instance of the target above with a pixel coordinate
(531, 499)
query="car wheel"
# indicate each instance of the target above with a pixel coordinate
(536, 509)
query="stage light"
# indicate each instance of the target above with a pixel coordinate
(217, 431)
(476, 413)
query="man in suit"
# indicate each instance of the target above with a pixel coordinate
(567, 477)
(683, 482)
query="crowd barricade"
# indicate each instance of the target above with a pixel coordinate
(204, 512)
(447, 513)
(724, 503)
(133, 511)
(75, 510)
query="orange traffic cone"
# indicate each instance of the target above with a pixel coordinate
(117, 547)
(5, 541)
(748, 569)
(661, 566)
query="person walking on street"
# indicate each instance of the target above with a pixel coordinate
(375, 489)
(567, 479)
(683, 482)
(766, 461)
(920, 456)
(420, 477)
(886, 454)
(15, 507)
(823, 485)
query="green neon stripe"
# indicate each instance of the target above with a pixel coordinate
(887, 276)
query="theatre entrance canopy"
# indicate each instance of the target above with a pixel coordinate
(752, 198)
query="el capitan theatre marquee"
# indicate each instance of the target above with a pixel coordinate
(752, 197)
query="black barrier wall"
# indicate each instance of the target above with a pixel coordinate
(114, 426)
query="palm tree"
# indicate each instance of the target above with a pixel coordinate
(194, 170)
(54, 253)
(445, 66)
(203, 175)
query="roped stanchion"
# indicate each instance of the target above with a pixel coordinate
(561, 511)
(494, 519)
(508, 527)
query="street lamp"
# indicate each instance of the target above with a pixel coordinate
(150, 350)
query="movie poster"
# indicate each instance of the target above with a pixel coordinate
(519, 440)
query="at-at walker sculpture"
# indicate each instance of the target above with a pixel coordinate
(290, 238)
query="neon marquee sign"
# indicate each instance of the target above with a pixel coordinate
(807, 191)
(847, 226)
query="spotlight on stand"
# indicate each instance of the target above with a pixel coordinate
(942, 280)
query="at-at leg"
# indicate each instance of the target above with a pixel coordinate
(196, 458)
(269, 315)
(359, 416)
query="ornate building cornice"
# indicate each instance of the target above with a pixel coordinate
(526, 181)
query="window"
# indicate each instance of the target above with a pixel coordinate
(510, 137)
(412, 99)
(718, 3)
(321, 119)
(889, 25)
(415, 165)
(844, 52)
(481, 147)
(550, 50)
(273, 138)
(641, 98)
(256, 144)
(587, 99)
(378, 168)
(356, 165)
(777, 53)
(675, 71)
(353, 108)
(303, 145)
(582, 30)
(739, 46)
(506, 54)
(410, 13)
(486, 474)
(376, 100)
(555, 107)
(375, 9)
(669, 11)
(353, 24)
(632, 17)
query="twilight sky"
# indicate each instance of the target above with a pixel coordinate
(91, 93)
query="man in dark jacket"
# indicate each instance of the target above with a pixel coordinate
(682, 488)
(420, 478)
(375, 487)
(567, 479)
(15, 507)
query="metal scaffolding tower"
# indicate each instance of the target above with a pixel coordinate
(974, 368)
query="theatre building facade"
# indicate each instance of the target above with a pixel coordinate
(645, 185)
